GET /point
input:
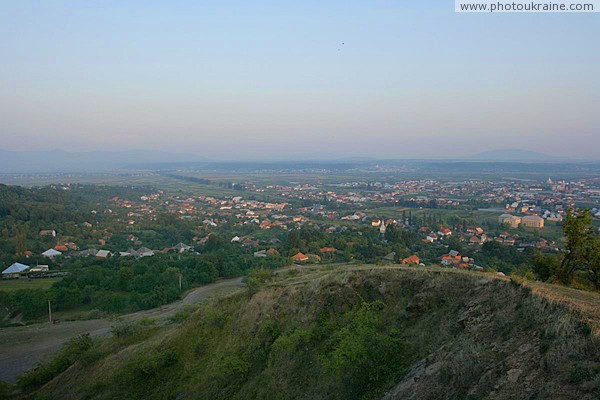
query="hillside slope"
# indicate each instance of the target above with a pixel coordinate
(367, 333)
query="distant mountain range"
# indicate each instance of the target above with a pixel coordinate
(50, 161)
(517, 155)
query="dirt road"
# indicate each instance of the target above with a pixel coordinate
(21, 348)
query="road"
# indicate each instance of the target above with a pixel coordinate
(22, 348)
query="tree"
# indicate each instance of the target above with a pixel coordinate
(257, 278)
(363, 350)
(544, 266)
(293, 240)
(20, 242)
(593, 264)
(581, 248)
(214, 243)
(392, 235)
(454, 243)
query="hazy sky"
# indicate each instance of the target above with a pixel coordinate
(269, 79)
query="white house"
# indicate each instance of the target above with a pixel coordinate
(39, 268)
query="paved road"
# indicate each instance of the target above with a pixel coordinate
(21, 348)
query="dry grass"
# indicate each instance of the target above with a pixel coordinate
(586, 304)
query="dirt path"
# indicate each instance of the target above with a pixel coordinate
(21, 348)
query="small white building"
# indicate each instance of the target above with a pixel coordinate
(39, 268)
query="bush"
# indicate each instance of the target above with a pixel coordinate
(257, 279)
(148, 370)
(96, 314)
(124, 330)
(362, 352)
(183, 314)
(5, 390)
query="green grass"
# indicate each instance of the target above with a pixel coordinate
(16, 284)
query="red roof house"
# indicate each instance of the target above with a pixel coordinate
(411, 260)
(300, 257)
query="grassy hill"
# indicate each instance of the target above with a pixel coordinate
(347, 333)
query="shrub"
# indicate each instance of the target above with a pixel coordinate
(96, 314)
(147, 370)
(124, 330)
(5, 390)
(183, 314)
(257, 279)
(365, 352)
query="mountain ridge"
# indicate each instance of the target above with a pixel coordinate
(59, 160)
(518, 155)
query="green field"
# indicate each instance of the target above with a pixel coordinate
(15, 284)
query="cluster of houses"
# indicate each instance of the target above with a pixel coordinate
(454, 259)
(540, 202)
(17, 270)
(547, 199)
(141, 252)
(526, 204)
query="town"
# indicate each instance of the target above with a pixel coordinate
(444, 219)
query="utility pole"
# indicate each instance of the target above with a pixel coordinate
(180, 281)
(49, 312)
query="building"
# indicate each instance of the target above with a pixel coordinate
(85, 253)
(314, 258)
(51, 253)
(445, 232)
(411, 260)
(15, 271)
(511, 220)
(141, 252)
(382, 228)
(103, 254)
(452, 258)
(532, 221)
(39, 268)
(181, 248)
(300, 258)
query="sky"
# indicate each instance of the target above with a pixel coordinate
(278, 79)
